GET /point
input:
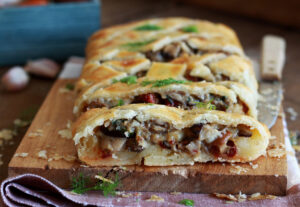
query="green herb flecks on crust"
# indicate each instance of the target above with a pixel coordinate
(135, 46)
(203, 105)
(129, 80)
(191, 28)
(148, 27)
(164, 82)
(120, 102)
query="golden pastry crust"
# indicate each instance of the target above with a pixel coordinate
(92, 147)
(117, 46)
(226, 96)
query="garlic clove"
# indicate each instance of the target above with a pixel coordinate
(43, 67)
(15, 79)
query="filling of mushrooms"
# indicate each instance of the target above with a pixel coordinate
(135, 136)
(175, 50)
(177, 99)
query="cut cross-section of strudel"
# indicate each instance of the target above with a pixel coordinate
(157, 135)
(224, 96)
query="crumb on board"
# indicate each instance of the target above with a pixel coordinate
(273, 137)
(68, 158)
(21, 123)
(37, 133)
(66, 133)
(22, 154)
(276, 151)
(236, 169)
(155, 198)
(7, 134)
(42, 154)
(64, 90)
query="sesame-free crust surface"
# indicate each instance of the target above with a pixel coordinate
(269, 176)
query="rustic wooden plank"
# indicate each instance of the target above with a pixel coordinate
(269, 177)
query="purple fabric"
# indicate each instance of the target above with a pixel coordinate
(33, 190)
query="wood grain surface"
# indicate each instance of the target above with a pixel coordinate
(269, 176)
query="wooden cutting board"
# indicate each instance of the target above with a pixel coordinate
(265, 175)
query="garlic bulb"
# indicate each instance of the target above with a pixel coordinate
(15, 79)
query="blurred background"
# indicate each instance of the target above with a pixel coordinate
(38, 36)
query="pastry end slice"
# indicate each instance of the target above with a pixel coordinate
(157, 135)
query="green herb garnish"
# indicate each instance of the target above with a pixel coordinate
(191, 28)
(164, 82)
(129, 80)
(187, 202)
(148, 27)
(203, 105)
(70, 86)
(120, 102)
(79, 185)
(133, 46)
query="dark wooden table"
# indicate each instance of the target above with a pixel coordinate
(249, 31)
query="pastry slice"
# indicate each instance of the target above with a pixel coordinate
(157, 135)
(224, 96)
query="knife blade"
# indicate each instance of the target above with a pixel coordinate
(270, 87)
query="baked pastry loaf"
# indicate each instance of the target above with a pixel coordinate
(169, 91)
(212, 52)
(157, 135)
(224, 96)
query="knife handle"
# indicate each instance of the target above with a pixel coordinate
(273, 57)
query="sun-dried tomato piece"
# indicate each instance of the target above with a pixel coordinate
(147, 98)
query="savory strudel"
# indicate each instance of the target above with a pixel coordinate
(169, 91)
(157, 135)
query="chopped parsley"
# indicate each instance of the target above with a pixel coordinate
(120, 102)
(70, 86)
(203, 105)
(79, 185)
(187, 202)
(132, 79)
(148, 27)
(191, 28)
(164, 82)
(134, 46)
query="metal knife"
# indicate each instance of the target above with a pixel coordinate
(270, 87)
